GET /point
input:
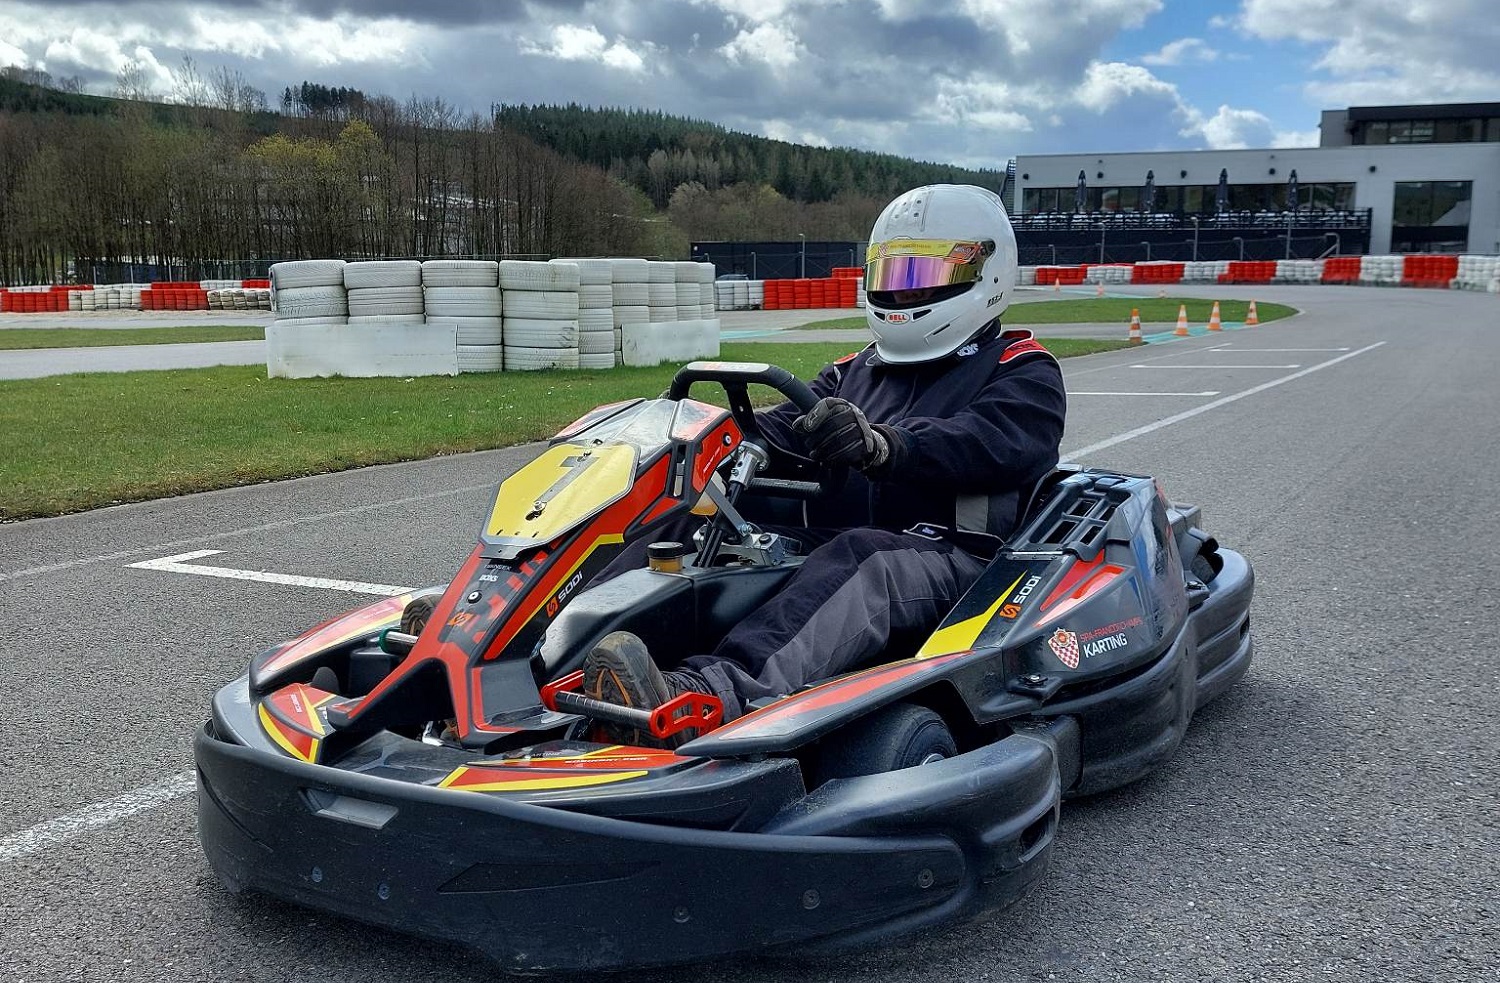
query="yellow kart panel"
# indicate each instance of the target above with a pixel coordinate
(566, 485)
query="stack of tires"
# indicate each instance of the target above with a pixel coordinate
(308, 292)
(1380, 271)
(466, 294)
(1298, 271)
(630, 285)
(661, 291)
(706, 309)
(689, 300)
(385, 292)
(596, 315)
(1476, 273)
(541, 315)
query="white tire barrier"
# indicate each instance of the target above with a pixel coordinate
(661, 315)
(387, 319)
(542, 304)
(382, 273)
(377, 301)
(480, 358)
(591, 272)
(632, 315)
(687, 293)
(307, 273)
(305, 302)
(310, 321)
(460, 273)
(462, 301)
(473, 330)
(593, 297)
(520, 358)
(524, 275)
(661, 272)
(631, 294)
(629, 271)
(540, 333)
(597, 342)
(687, 312)
(661, 294)
(602, 319)
(605, 360)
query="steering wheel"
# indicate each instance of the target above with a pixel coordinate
(736, 377)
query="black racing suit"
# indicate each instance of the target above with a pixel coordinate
(970, 435)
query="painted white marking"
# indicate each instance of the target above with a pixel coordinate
(1232, 350)
(1212, 392)
(32, 839)
(245, 530)
(1216, 366)
(1225, 401)
(179, 564)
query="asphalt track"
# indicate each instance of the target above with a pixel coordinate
(1335, 817)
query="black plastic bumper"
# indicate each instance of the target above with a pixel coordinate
(539, 888)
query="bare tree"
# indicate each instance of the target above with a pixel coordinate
(133, 81)
(189, 87)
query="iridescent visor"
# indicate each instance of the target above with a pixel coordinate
(919, 264)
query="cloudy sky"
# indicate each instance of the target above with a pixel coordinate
(968, 81)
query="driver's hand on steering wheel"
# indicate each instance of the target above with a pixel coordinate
(836, 433)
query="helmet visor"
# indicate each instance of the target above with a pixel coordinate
(921, 264)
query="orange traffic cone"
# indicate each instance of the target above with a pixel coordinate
(1099, 289)
(1214, 324)
(1057, 285)
(1135, 327)
(1182, 328)
(1251, 317)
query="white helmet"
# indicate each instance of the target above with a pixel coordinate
(941, 265)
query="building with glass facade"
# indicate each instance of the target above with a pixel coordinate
(1429, 177)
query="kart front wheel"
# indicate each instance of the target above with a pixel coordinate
(901, 736)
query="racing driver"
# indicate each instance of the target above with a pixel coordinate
(946, 422)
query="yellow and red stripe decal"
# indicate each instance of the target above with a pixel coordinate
(291, 717)
(493, 779)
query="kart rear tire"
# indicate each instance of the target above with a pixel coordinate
(417, 612)
(901, 736)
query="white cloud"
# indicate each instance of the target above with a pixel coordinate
(780, 129)
(1105, 84)
(573, 43)
(1181, 51)
(11, 55)
(1236, 129)
(1392, 51)
(770, 44)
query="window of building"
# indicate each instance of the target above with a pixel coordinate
(1431, 216)
(1458, 131)
(1492, 130)
(1376, 133)
(1432, 203)
(1412, 131)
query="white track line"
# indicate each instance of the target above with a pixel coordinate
(246, 530)
(1216, 367)
(179, 564)
(55, 831)
(63, 828)
(1232, 350)
(1225, 401)
(1212, 392)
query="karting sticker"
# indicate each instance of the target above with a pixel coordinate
(1064, 645)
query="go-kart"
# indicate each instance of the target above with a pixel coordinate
(449, 781)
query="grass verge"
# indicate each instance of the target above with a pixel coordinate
(1110, 310)
(18, 338)
(84, 441)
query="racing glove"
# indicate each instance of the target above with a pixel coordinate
(836, 432)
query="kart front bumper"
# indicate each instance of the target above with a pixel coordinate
(542, 888)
